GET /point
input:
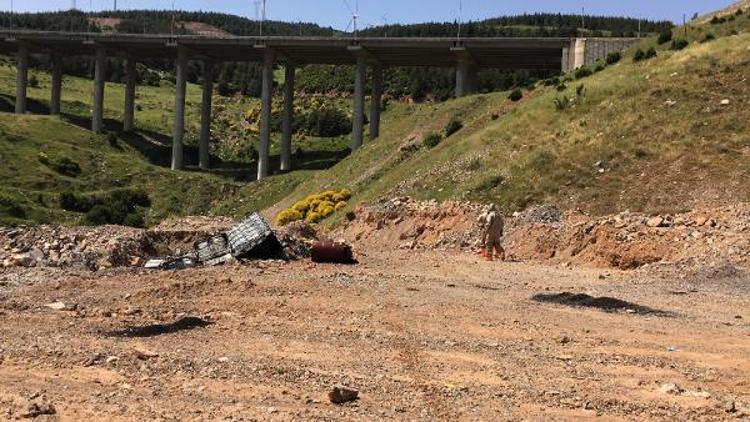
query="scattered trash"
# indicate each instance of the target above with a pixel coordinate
(250, 239)
(332, 252)
(340, 394)
(186, 323)
(671, 349)
(671, 388)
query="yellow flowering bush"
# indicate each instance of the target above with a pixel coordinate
(315, 207)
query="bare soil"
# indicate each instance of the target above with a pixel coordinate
(422, 334)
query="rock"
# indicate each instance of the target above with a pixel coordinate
(725, 102)
(112, 359)
(730, 407)
(655, 222)
(223, 359)
(23, 260)
(701, 221)
(144, 354)
(57, 306)
(340, 394)
(671, 388)
(36, 409)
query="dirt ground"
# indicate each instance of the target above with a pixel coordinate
(422, 335)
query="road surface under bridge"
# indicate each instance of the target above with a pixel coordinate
(466, 55)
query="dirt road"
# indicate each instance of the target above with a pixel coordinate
(422, 335)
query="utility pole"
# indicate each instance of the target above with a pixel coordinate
(639, 26)
(684, 24)
(11, 14)
(115, 8)
(460, 17)
(583, 18)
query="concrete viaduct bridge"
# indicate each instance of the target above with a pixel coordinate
(467, 55)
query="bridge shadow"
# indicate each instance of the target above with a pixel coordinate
(8, 105)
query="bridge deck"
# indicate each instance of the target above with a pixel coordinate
(526, 53)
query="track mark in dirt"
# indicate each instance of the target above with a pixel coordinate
(182, 324)
(606, 304)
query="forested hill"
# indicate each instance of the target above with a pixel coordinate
(161, 21)
(244, 78)
(528, 25)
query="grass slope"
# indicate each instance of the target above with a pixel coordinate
(651, 136)
(29, 190)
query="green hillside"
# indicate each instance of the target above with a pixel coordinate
(656, 135)
(663, 134)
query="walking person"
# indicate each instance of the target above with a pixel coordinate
(492, 235)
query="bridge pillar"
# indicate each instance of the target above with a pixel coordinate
(57, 76)
(178, 131)
(22, 77)
(466, 73)
(128, 119)
(358, 123)
(376, 102)
(100, 67)
(269, 57)
(286, 135)
(208, 91)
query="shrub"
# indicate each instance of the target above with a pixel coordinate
(599, 67)
(639, 55)
(43, 158)
(494, 116)
(665, 37)
(562, 87)
(33, 81)
(99, 214)
(650, 53)
(69, 201)
(315, 207)
(328, 123)
(453, 126)
(134, 219)
(708, 37)
(716, 20)
(516, 95)
(562, 103)
(112, 139)
(11, 207)
(64, 166)
(679, 44)
(580, 90)
(613, 58)
(739, 12)
(583, 72)
(432, 140)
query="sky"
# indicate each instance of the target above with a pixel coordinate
(335, 13)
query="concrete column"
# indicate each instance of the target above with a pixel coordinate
(208, 92)
(22, 77)
(286, 135)
(128, 117)
(565, 62)
(359, 103)
(178, 131)
(376, 102)
(463, 78)
(265, 114)
(57, 76)
(579, 53)
(100, 67)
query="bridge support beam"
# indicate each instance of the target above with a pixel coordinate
(100, 68)
(22, 77)
(376, 102)
(57, 77)
(178, 131)
(286, 135)
(128, 117)
(269, 57)
(358, 123)
(208, 92)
